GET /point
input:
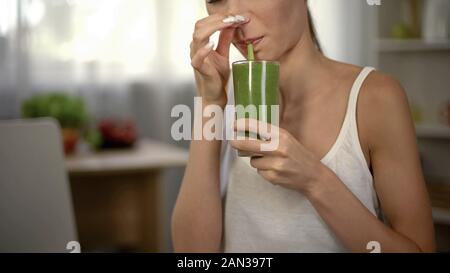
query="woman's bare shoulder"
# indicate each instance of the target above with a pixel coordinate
(383, 109)
(381, 91)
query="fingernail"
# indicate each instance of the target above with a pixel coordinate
(209, 45)
(229, 20)
(240, 18)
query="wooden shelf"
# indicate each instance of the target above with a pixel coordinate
(440, 199)
(441, 216)
(433, 131)
(394, 45)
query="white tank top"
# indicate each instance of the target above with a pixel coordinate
(262, 217)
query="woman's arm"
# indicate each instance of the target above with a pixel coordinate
(385, 119)
(197, 216)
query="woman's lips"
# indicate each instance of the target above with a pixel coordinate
(254, 41)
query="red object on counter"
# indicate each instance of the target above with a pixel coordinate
(117, 133)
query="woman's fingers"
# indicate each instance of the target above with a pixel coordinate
(265, 130)
(256, 147)
(263, 162)
(227, 35)
(225, 39)
(198, 60)
(208, 26)
(270, 142)
(269, 175)
(247, 145)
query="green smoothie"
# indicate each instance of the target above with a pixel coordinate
(256, 84)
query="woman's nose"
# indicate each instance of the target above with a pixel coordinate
(237, 7)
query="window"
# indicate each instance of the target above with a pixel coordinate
(73, 41)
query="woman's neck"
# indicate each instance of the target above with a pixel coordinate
(303, 69)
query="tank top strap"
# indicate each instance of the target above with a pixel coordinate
(352, 123)
(349, 126)
(353, 98)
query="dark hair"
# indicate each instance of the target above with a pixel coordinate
(312, 30)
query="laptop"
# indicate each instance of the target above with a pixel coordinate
(36, 213)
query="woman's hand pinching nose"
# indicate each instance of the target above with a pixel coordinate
(212, 66)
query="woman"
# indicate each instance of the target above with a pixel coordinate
(347, 149)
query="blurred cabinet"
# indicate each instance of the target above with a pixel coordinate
(422, 66)
(118, 197)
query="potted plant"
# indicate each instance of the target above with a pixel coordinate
(69, 111)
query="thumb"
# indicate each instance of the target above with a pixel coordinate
(225, 39)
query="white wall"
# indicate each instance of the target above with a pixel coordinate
(345, 29)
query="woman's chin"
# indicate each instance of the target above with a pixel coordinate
(265, 56)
